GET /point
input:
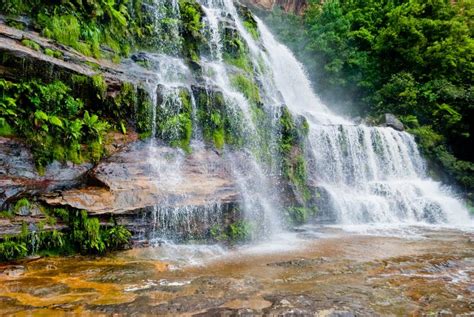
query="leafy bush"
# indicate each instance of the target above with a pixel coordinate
(239, 231)
(51, 121)
(117, 237)
(10, 250)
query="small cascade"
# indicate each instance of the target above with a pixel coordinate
(166, 18)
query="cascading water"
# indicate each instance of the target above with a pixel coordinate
(361, 174)
(370, 174)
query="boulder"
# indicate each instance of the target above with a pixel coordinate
(390, 120)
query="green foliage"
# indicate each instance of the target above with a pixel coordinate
(122, 106)
(84, 234)
(10, 249)
(5, 128)
(411, 58)
(116, 237)
(88, 236)
(252, 29)
(191, 25)
(174, 123)
(53, 122)
(6, 214)
(100, 84)
(236, 232)
(236, 52)
(300, 215)
(293, 165)
(86, 26)
(143, 113)
(239, 231)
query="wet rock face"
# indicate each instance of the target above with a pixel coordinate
(142, 177)
(291, 6)
(19, 177)
(189, 193)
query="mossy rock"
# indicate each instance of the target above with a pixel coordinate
(220, 122)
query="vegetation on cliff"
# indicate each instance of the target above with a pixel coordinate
(83, 234)
(411, 58)
(55, 124)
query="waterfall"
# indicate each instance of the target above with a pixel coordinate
(370, 174)
(356, 174)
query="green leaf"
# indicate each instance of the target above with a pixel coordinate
(40, 115)
(122, 127)
(56, 121)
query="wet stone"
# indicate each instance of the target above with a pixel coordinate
(299, 263)
(50, 290)
(14, 270)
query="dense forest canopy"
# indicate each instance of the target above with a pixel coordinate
(412, 58)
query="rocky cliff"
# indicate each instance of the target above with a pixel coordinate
(290, 6)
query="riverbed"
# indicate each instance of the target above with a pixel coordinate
(312, 271)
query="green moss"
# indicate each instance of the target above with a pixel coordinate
(79, 79)
(221, 123)
(6, 214)
(23, 202)
(191, 28)
(101, 86)
(251, 28)
(87, 26)
(122, 106)
(31, 44)
(53, 53)
(15, 24)
(143, 113)
(247, 87)
(237, 232)
(293, 165)
(218, 138)
(174, 122)
(299, 214)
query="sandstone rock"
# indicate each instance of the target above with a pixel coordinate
(290, 6)
(335, 313)
(144, 176)
(19, 177)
